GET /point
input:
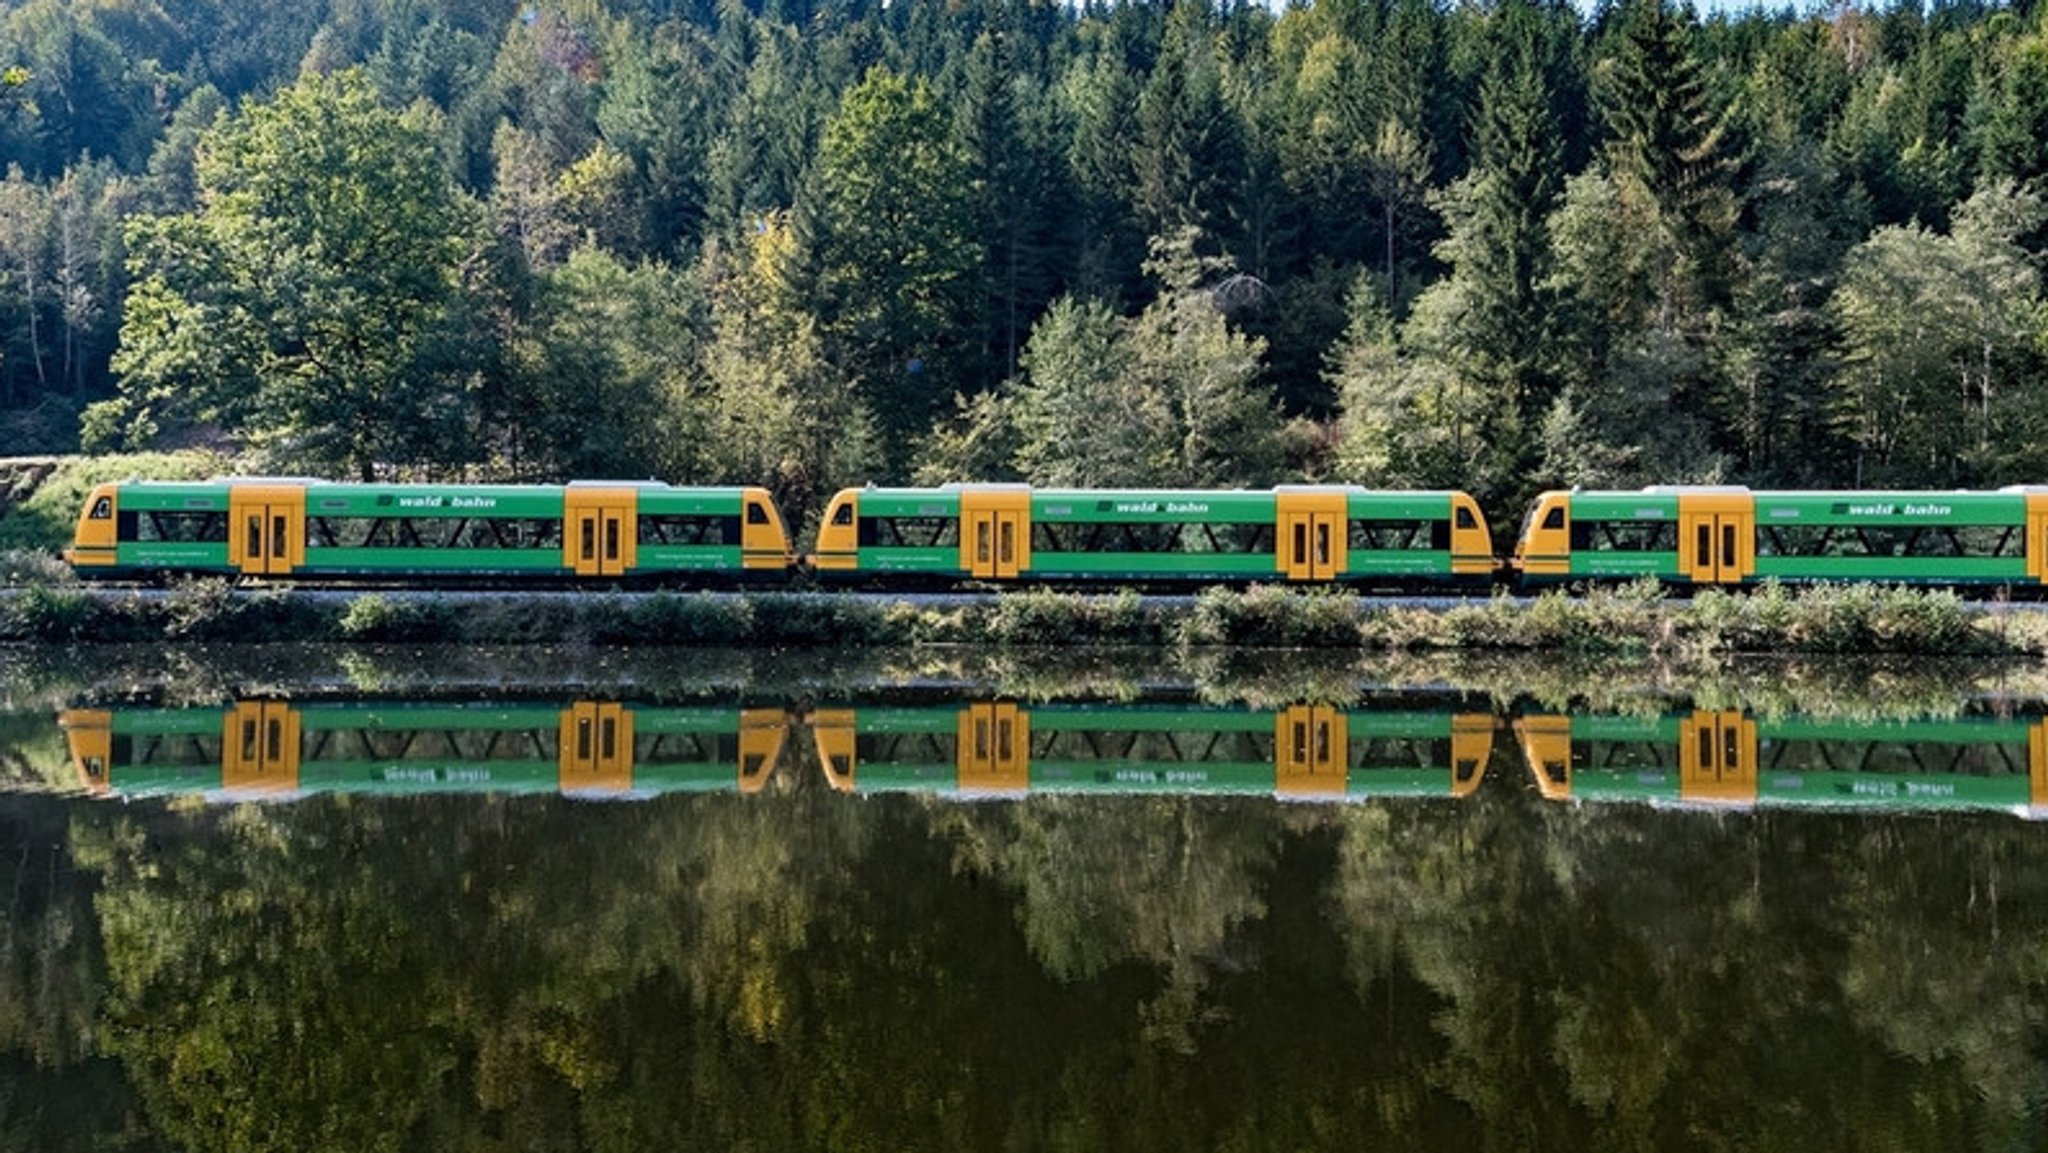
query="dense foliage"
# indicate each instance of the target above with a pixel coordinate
(804, 242)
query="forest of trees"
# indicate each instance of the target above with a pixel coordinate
(1492, 244)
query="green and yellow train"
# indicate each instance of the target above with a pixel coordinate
(259, 748)
(992, 533)
(1019, 533)
(1304, 752)
(1736, 536)
(321, 529)
(1728, 758)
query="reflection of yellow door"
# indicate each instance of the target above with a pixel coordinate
(599, 531)
(993, 749)
(995, 531)
(1547, 748)
(1312, 540)
(1310, 752)
(260, 747)
(267, 528)
(1471, 748)
(596, 753)
(762, 732)
(1717, 757)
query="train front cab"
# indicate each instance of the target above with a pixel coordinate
(1716, 537)
(94, 541)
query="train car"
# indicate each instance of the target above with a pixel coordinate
(282, 529)
(1735, 536)
(1726, 758)
(279, 749)
(1020, 533)
(1000, 748)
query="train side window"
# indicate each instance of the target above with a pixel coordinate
(843, 514)
(1554, 518)
(103, 508)
(756, 514)
(1466, 519)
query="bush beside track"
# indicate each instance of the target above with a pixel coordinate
(1634, 620)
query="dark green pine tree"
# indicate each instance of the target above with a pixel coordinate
(1662, 127)
(1187, 136)
(1519, 175)
(1017, 193)
(2011, 130)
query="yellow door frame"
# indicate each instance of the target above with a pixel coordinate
(1311, 751)
(259, 750)
(1717, 757)
(992, 752)
(1717, 536)
(1311, 538)
(995, 531)
(595, 750)
(267, 528)
(600, 531)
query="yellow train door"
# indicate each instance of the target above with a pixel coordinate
(1717, 536)
(1311, 534)
(599, 531)
(267, 528)
(995, 531)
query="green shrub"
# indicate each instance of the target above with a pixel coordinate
(376, 617)
(1047, 617)
(53, 613)
(1273, 616)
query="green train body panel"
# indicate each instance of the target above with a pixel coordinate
(1891, 510)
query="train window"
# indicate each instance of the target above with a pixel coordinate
(909, 532)
(680, 529)
(1624, 536)
(183, 527)
(1554, 518)
(843, 514)
(1466, 519)
(756, 513)
(1382, 535)
(1817, 540)
(102, 509)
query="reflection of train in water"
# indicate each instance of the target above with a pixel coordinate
(1727, 757)
(278, 748)
(1302, 752)
(1396, 747)
(612, 532)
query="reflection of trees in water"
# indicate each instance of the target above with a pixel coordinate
(1634, 978)
(802, 969)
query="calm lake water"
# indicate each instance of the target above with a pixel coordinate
(317, 900)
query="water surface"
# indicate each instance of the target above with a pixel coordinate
(318, 900)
